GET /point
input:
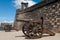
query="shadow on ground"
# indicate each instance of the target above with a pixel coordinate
(29, 38)
(20, 36)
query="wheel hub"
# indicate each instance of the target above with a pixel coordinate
(35, 29)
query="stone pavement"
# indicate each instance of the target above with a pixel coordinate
(14, 35)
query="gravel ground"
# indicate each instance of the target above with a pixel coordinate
(14, 35)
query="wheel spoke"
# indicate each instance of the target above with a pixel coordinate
(33, 31)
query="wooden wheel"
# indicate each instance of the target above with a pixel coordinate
(32, 30)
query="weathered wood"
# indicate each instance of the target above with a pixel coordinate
(35, 29)
(47, 31)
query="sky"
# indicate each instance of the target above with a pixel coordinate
(8, 8)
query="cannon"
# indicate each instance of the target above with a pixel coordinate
(8, 28)
(33, 28)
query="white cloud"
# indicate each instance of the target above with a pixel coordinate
(18, 3)
(5, 21)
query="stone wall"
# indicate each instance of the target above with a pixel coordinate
(18, 24)
(50, 13)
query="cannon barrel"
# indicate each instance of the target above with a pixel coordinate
(29, 20)
(24, 20)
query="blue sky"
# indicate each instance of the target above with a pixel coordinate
(8, 10)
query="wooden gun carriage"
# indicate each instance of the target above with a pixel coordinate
(33, 28)
(8, 28)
